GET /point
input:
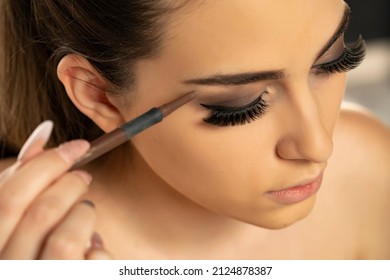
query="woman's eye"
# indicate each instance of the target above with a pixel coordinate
(352, 56)
(231, 116)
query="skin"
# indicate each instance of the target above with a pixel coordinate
(185, 182)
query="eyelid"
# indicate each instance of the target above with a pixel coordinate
(232, 108)
(233, 103)
(336, 50)
(337, 60)
(239, 100)
(228, 116)
(351, 58)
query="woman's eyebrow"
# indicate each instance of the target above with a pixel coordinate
(340, 30)
(237, 79)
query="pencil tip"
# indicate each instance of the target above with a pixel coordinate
(168, 108)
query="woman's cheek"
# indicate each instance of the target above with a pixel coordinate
(225, 170)
(206, 163)
(187, 157)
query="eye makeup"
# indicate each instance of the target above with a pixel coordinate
(230, 115)
(351, 57)
(236, 115)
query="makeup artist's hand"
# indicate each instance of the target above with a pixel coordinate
(41, 212)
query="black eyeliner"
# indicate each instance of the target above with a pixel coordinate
(340, 30)
(351, 58)
(231, 116)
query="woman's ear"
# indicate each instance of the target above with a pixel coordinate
(88, 91)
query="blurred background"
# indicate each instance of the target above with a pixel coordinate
(369, 84)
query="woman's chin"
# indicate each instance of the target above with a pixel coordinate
(283, 216)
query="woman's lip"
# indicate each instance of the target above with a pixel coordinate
(297, 193)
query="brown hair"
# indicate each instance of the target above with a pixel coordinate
(36, 34)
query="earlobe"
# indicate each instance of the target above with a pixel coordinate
(88, 91)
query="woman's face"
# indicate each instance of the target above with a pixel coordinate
(238, 56)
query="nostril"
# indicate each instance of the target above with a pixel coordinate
(314, 146)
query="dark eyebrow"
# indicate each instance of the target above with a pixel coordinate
(237, 79)
(252, 77)
(340, 30)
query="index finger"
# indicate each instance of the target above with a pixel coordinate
(27, 182)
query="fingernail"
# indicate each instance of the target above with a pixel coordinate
(41, 134)
(85, 176)
(96, 242)
(89, 203)
(73, 150)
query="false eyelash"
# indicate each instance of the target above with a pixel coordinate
(231, 116)
(352, 57)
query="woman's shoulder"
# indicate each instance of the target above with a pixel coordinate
(361, 122)
(361, 162)
(362, 139)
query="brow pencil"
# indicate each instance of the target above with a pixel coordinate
(113, 139)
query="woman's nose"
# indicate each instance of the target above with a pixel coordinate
(305, 136)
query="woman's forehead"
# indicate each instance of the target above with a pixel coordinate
(218, 37)
(218, 27)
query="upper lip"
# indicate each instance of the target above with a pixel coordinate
(301, 183)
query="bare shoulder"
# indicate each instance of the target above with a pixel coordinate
(361, 160)
(358, 120)
(361, 138)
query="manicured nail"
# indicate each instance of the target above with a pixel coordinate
(89, 203)
(85, 176)
(73, 150)
(97, 241)
(40, 135)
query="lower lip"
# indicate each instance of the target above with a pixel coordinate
(296, 194)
